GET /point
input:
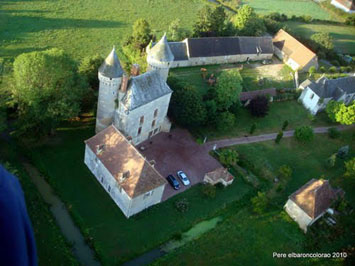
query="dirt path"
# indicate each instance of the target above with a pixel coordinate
(81, 250)
(265, 137)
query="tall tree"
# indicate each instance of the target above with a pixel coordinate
(323, 41)
(248, 23)
(142, 34)
(47, 90)
(176, 32)
(228, 89)
(88, 68)
(211, 22)
(339, 112)
(186, 106)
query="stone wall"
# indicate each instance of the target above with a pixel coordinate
(106, 105)
(107, 181)
(216, 60)
(129, 123)
(298, 215)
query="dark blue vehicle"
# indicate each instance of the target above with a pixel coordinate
(173, 182)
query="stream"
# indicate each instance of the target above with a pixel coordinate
(71, 232)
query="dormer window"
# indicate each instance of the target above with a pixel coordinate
(141, 120)
(312, 96)
(156, 113)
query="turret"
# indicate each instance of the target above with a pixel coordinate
(160, 57)
(110, 77)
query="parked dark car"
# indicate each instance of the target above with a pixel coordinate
(173, 182)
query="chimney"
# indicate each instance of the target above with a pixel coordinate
(135, 70)
(100, 148)
(124, 83)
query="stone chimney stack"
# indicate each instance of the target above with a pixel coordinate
(124, 84)
(135, 70)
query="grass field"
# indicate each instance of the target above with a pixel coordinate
(114, 237)
(343, 36)
(292, 111)
(290, 8)
(52, 248)
(83, 27)
(247, 239)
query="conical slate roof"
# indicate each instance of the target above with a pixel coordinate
(111, 67)
(161, 51)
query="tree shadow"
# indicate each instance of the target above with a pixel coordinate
(14, 26)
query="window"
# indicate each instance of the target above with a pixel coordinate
(153, 123)
(141, 120)
(109, 188)
(156, 113)
(156, 131)
(102, 179)
(139, 130)
(146, 195)
(312, 96)
(150, 134)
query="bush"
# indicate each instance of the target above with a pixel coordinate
(284, 125)
(335, 63)
(333, 133)
(259, 202)
(312, 70)
(331, 160)
(259, 106)
(228, 157)
(343, 69)
(182, 205)
(304, 134)
(279, 137)
(350, 168)
(225, 121)
(252, 128)
(332, 69)
(209, 191)
(348, 69)
(343, 152)
(322, 69)
(285, 171)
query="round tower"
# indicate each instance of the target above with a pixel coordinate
(110, 77)
(160, 57)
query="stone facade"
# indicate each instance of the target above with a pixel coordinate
(149, 92)
(142, 189)
(298, 215)
(208, 51)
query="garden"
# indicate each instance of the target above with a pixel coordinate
(269, 229)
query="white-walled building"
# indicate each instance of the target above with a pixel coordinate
(345, 5)
(208, 51)
(316, 94)
(293, 53)
(129, 179)
(310, 202)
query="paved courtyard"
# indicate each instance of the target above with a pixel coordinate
(178, 152)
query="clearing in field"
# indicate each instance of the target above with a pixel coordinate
(343, 36)
(290, 8)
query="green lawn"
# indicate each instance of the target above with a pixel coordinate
(83, 27)
(52, 247)
(193, 77)
(251, 79)
(292, 111)
(116, 238)
(344, 36)
(290, 8)
(247, 239)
